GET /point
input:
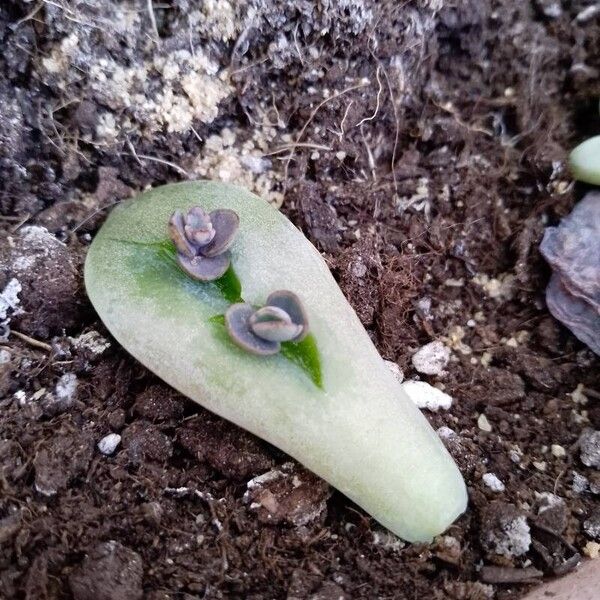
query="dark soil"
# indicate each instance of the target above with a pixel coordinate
(432, 143)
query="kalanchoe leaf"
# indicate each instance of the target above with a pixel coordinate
(274, 324)
(203, 268)
(361, 433)
(237, 322)
(290, 303)
(199, 228)
(226, 224)
(177, 234)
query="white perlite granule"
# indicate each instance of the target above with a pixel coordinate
(492, 481)
(66, 387)
(580, 483)
(92, 342)
(9, 302)
(427, 396)
(591, 526)
(514, 539)
(431, 359)
(108, 444)
(483, 423)
(395, 369)
(590, 448)
(446, 433)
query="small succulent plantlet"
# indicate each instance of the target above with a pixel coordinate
(203, 240)
(261, 331)
(326, 397)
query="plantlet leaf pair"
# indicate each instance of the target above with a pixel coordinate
(261, 331)
(202, 241)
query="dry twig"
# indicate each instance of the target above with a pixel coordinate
(32, 341)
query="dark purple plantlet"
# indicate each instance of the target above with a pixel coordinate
(261, 331)
(203, 240)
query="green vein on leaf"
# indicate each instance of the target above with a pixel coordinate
(228, 284)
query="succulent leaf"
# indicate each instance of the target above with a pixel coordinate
(585, 161)
(274, 324)
(199, 229)
(203, 268)
(226, 224)
(349, 422)
(291, 304)
(237, 322)
(177, 234)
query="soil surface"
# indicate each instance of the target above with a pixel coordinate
(421, 147)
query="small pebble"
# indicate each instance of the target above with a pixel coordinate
(66, 387)
(580, 483)
(483, 423)
(592, 550)
(427, 396)
(492, 481)
(515, 455)
(431, 359)
(395, 369)
(551, 8)
(590, 448)
(108, 444)
(591, 526)
(558, 451)
(578, 396)
(446, 433)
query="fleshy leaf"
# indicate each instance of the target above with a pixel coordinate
(360, 432)
(291, 304)
(238, 327)
(203, 268)
(226, 224)
(273, 323)
(585, 161)
(177, 234)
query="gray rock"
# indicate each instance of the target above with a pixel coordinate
(589, 448)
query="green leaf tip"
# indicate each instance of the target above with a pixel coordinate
(584, 161)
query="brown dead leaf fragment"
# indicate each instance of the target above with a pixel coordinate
(573, 250)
